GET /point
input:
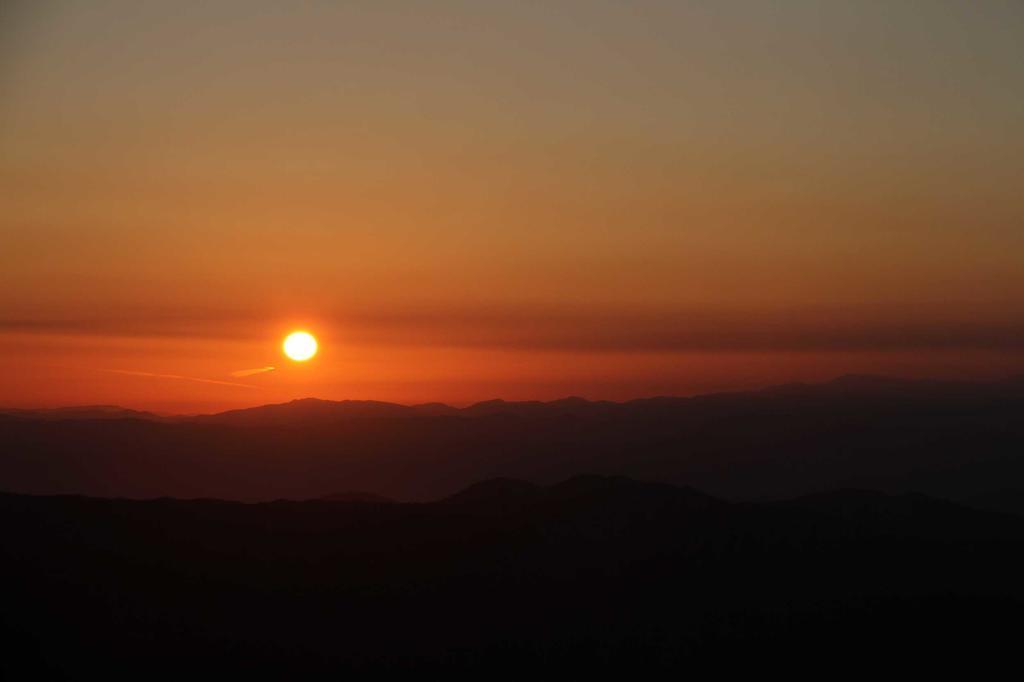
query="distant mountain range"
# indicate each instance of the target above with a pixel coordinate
(79, 412)
(307, 410)
(952, 439)
(588, 576)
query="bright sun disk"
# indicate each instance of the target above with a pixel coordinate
(300, 346)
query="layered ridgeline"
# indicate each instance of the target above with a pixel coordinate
(507, 579)
(958, 440)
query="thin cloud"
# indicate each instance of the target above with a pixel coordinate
(251, 372)
(607, 328)
(155, 375)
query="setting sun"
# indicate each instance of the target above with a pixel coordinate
(300, 346)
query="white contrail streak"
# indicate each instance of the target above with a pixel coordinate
(250, 372)
(154, 375)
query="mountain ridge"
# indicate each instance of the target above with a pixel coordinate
(312, 408)
(953, 440)
(566, 583)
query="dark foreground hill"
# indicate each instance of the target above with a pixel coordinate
(507, 579)
(958, 440)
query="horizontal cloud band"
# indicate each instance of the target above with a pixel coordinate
(612, 330)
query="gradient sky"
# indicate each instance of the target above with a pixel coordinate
(468, 200)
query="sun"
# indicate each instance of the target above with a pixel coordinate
(300, 346)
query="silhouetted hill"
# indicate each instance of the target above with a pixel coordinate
(304, 411)
(620, 490)
(310, 410)
(435, 410)
(80, 412)
(593, 575)
(355, 496)
(1008, 500)
(498, 490)
(949, 439)
(912, 515)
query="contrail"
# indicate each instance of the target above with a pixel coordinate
(177, 376)
(250, 372)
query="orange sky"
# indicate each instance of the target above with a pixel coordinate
(524, 200)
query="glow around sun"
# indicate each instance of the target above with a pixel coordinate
(300, 346)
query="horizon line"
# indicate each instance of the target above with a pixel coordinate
(463, 406)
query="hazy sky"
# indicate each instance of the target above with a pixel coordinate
(466, 200)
